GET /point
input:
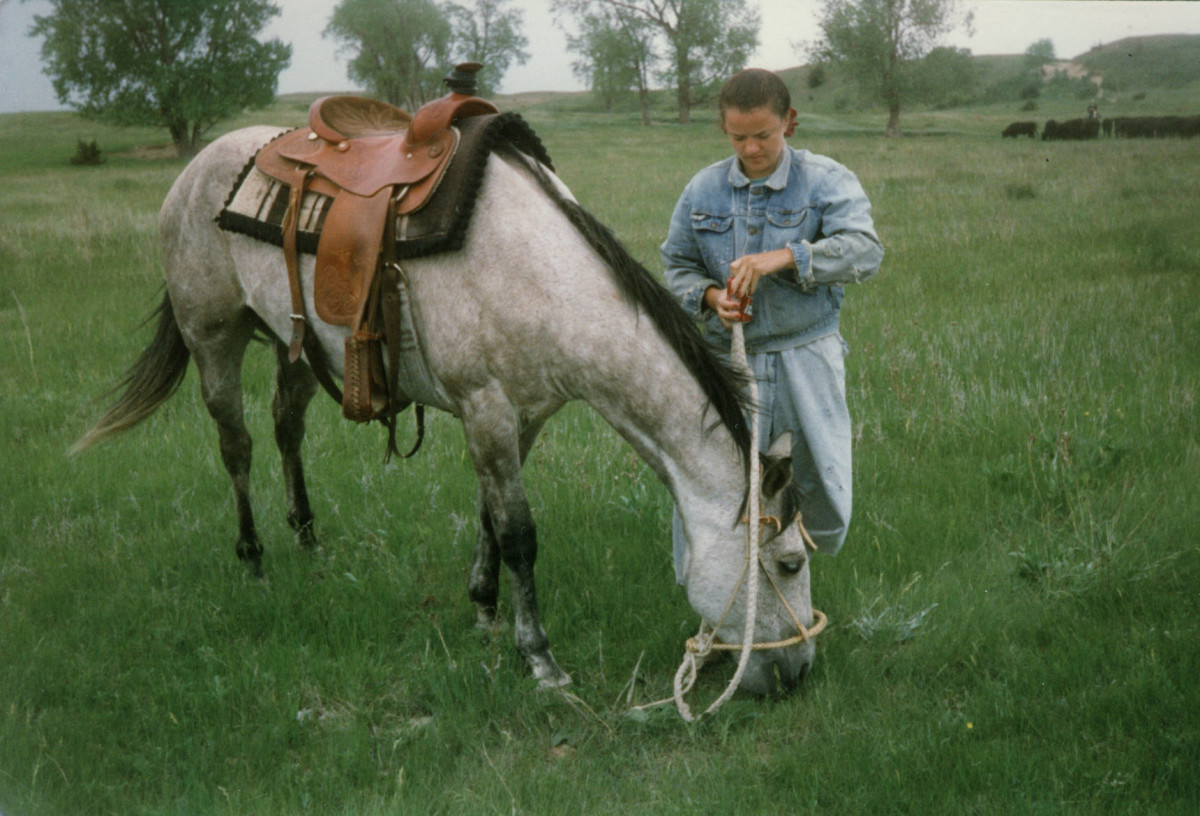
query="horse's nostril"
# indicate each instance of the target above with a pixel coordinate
(777, 675)
(793, 682)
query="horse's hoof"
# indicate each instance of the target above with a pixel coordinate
(306, 536)
(487, 621)
(251, 556)
(547, 672)
(549, 684)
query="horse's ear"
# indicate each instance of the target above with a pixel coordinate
(777, 466)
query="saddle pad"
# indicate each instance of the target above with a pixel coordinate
(257, 203)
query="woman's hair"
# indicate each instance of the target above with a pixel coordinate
(756, 88)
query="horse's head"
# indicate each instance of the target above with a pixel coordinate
(718, 581)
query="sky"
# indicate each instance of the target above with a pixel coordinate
(1001, 27)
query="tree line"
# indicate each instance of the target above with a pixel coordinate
(185, 66)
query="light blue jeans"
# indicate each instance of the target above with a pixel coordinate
(803, 390)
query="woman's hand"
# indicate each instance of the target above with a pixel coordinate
(724, 304)
(746, 271)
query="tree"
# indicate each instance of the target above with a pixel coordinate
(400, 48)
(616, 54)
(1039, 53)
(183, 66)
(706, 40)
(879, 42)
(488, 33)
(945, 77)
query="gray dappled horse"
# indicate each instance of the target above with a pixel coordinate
(540, 307)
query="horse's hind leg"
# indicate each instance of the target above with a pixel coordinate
(218, 354)
(295, 386)
(484, 586)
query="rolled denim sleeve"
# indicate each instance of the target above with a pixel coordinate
(683, 263)
(847, 248)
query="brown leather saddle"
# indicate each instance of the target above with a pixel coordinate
(376, 163)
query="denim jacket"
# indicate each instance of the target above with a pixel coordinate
(810, 204)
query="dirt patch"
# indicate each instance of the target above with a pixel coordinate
(154, 152)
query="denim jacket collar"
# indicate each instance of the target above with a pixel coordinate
(776, 181)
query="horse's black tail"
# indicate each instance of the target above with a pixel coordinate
(147, 384)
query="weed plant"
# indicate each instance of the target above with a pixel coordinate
(1013, 620)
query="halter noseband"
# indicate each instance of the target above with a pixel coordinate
(699, 647)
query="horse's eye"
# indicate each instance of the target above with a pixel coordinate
(791, 566)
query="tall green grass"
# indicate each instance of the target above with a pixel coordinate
(1013, 618)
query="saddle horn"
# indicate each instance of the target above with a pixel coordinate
(463, 79)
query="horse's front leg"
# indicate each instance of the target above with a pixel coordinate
(493, 438)
(484, 587)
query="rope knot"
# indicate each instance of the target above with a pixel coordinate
(701, 645)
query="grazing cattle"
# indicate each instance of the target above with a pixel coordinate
(1085, 128)
(1072, 129)
(1129, 127)
(1155, 127)
(1020, 129)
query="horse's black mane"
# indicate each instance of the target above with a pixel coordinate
(724, 386)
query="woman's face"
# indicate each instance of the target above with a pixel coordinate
(757, 139)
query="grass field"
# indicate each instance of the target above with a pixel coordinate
(1013, 620)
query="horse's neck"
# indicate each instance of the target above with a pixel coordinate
(664, 414)
(572, 334)
(625, 368)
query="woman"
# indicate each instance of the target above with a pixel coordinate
(786, 228)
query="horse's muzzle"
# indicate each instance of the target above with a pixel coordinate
(778, 671)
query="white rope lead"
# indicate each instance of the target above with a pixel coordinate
(699, 647)
(704, 643)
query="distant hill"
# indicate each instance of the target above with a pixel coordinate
(1141, 63)
(1136, 75)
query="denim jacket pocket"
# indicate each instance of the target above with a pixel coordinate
(711, 222)
(714, 234)
(791, 226)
